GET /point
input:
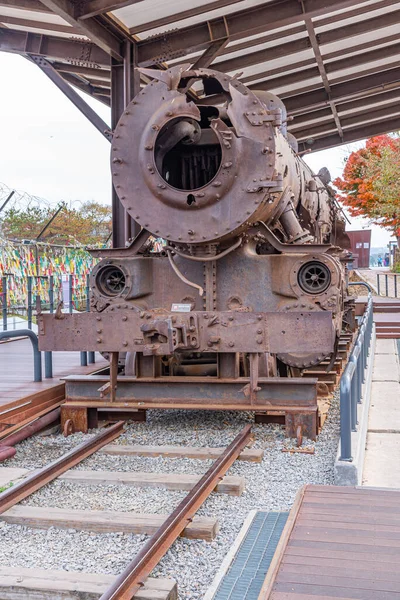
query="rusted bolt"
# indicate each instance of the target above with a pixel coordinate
(259, 331)
(230, 318)
(231, 344)
(149, 147)
(190, 232)
(142, 314)
(98, 318)
(99, 330)
(148, 316)
(98, 340)
(125, 318)
(259, 341)
(259, 317)
(117, 160)
(155, 127)
(125, 344)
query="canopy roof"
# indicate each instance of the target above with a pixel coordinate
(335, 63)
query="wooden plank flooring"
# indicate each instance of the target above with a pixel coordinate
(16, 370)
(342, 543)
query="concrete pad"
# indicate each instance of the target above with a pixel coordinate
(382, 460)
(384, 412)
(385, 347)
(386, 368)
(8, 474)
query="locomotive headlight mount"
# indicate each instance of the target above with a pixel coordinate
(314, 275)
(111, 280)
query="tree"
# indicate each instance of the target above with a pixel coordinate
(370, 186)
(90, 224)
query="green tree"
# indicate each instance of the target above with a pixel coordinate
(90, 224)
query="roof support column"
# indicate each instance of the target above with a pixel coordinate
(125, 84)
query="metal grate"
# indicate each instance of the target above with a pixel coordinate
(246, 574)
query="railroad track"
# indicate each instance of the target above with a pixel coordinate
(134, 581)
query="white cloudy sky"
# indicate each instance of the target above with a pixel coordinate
(49, 149)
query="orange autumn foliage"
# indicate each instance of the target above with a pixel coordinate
(370, 185)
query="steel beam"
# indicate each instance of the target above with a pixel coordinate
(57, 48)
(125, 84)
(109, 41)
(322, 71)
(72, 95)
(251, 21)
(101, 94)
(352, 135)
(87, 72)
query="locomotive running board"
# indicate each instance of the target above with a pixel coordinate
(294, 397)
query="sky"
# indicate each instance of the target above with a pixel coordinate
(49, 149)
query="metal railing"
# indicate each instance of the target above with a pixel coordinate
(351, 390)
(47, 298)
(389, 280)
(37, 355)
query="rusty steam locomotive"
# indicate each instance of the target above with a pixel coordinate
(248, 287)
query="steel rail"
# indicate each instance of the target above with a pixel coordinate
(134, 575)
(39, 478)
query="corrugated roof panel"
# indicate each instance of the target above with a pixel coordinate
(275, 64)
(31, 15)
(354, 41)
(354, 71)
(155, 9)
(343, 11)
(36, 29)
(350, 21)
(297, 88)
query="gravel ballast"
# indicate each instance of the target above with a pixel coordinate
(271, 485)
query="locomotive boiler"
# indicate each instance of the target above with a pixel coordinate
(236, 281)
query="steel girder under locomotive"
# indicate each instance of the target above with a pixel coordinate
(253, 252)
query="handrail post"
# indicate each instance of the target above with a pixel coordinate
(48, 356)
(345, 416)
(395, 285)
(386, 285)
(378, 284)
(4, 286)
(37, 356)
(29, 301)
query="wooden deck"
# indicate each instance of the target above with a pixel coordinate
(16, 370)
(339, 542)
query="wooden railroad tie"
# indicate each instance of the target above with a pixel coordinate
(99, 521)
(42, 584)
